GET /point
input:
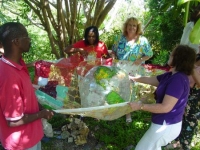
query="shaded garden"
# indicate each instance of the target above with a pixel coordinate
(163, 26)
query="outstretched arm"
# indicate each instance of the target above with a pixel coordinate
(164, 107)
(147, 80)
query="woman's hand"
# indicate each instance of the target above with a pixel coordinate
(132, 78)
(113, 55)
(83, 52)
(135, 106)
(138, 62)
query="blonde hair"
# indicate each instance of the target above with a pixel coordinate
(139, 26)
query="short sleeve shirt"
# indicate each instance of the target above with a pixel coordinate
(17, 97)
(176, 85)
(100, 49)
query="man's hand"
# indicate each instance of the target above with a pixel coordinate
(47, 114)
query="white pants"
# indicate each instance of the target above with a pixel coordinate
(36, 147)
(158, 136)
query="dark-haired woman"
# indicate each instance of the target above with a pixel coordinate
(91, 47)
(171, 98)
(190, 120)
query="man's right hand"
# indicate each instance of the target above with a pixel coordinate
(47, 114)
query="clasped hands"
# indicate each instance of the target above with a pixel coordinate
(83, 52)
(135, 105)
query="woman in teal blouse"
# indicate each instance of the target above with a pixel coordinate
(132, 46)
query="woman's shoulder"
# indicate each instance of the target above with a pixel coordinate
(179, 76)
(80, 41)
(143, 38)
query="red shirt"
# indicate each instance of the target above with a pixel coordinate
(17, 97)
(100, 49)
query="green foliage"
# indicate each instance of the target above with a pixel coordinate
(195, 33)
(117, 134)
(108, 37)
(40, 46)
(160, 58)
(58, 120)
(165, 31)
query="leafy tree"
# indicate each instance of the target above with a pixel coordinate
(63, 20)
(164, 30)
(185, 6)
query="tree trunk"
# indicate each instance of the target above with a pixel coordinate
(61, 19)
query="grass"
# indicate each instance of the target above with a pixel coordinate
(116, 134)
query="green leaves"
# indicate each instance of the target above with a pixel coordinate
(195, 34)
(161, 58)
(180, 2)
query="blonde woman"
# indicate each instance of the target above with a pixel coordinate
(132, 46)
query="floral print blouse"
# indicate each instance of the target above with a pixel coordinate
(129, 50)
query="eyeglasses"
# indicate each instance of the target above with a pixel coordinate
(22, 38)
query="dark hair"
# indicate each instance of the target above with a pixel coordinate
(10, 31)
(184, 58)
(96, 32)
(198, 57)
(195, 14)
